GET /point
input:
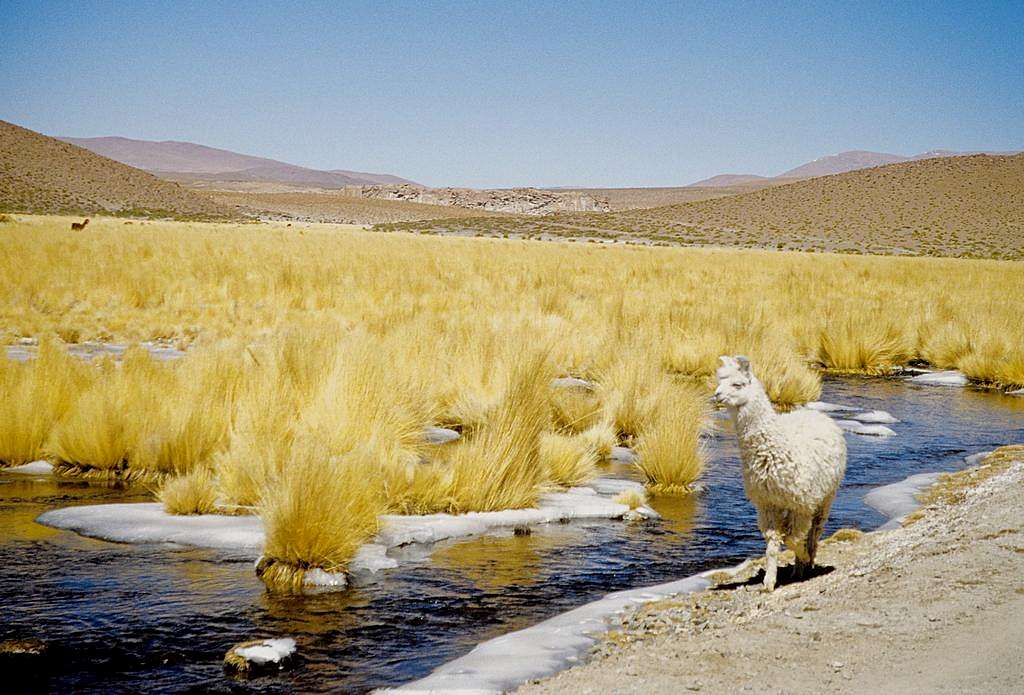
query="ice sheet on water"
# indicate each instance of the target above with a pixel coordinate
(947, 378)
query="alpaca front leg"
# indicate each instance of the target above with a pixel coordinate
(773, 541)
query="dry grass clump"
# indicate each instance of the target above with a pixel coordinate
(670, 453)
(318, 512)
(631, 498)
(499, 466)
(568, 461)
(951, 487)
(34, 396)
(602, 437)
(866, 343)
(192, 493)
(575, 409)
(999, 359)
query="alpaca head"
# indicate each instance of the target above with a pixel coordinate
(737, 385)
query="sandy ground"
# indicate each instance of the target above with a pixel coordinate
(936, 606)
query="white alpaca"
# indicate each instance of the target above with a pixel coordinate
(792, 466)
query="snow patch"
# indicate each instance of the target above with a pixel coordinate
(947, 378)
(879, 417)
(319, 580)
(34, 468)
(899, 499)
(147, 522)
(975, 459)
(854, 427)
(440, 435)
(269, 651)
(824, 407)
(623, 454)
(571, 382)
(503, 663)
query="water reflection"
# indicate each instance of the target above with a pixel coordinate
(496, 562)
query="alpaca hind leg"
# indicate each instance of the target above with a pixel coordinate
(817, 526)
(799, 530)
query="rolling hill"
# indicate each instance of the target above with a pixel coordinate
(951, 206)
(840, 163)
(42, 174)
(204, 166)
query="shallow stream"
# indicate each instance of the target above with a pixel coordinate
(122, 617)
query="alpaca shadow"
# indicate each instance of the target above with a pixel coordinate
(784, 577)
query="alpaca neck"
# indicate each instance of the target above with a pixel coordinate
(754, 416)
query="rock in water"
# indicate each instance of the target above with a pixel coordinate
(260, 656)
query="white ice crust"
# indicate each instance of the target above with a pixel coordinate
(440, 435)
(571, 382)
(269, 651)
(947, 378)
(899, 499)
(855, 427)
(826, 407)
(34, 468)
(147, 522)
(876, 417)
(623, 454)
(575, 503)
(502, 663)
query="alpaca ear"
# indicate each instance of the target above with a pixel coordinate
(744, 365)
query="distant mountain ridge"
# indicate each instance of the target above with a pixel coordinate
(190, 162)
(840, 163)
(730, 180)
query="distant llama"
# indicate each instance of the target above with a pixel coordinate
(792, 466)
(79, 226)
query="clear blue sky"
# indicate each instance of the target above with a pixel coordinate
(549, 93)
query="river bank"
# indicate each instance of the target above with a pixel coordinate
(936, 605)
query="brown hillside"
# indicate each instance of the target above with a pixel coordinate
(43, 174)
(970, 205)
(952, 206)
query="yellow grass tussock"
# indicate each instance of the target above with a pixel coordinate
(631, 498)
(192, 493)
(318, 512)
(670, 454)
(499, 466)
(568, 461)
(34, 396)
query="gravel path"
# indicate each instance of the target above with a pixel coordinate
(936, 606)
